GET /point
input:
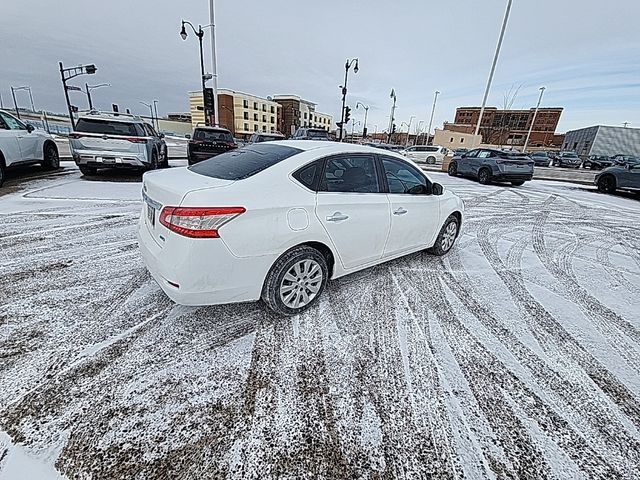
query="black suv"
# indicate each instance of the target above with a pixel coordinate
(208, 142)
(567, 159)
(311, 134)
(541, 159)
(597, 162)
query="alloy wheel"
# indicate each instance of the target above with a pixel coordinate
(301, 284)
(449, 236)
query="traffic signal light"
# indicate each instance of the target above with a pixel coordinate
(393, 128)
(90, 69)
(347, 114)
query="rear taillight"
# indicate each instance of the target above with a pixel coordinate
(198, 222)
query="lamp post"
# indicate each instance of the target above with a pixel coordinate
(535, 114)
(419, 130)
(375, 131)
(366, 111)
(347, 66)
(200, 34)
(433, 109)
(155, 108)
(69, 73)
(88, 89)
(391, 116)
(406, 142)
(150, 107)
(353, 128)
(493, 65)
(13, 94)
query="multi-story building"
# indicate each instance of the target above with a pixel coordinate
(242, 113)
(508, 127)
(603, 140)
(297, 112)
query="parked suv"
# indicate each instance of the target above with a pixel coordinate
(623, 177)
(489, 165)
(597, 162)
(541, 159)
(567, 159)
(21, 144)
(116, 140)
(259, 137)
(207, 142)
(311, 134)
(430, 154)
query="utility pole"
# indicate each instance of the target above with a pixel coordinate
(15, 104)
(493, 65)
(391, 117)
(214, 60)
(535, 114)
(347, 65)
(366, 111)
(433, 109)
(406, 143)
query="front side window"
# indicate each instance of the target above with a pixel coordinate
(350, 174)
(472, 154)
(403, 178)
(12, 123)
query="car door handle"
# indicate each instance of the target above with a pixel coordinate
(400, 211)
(337, 217)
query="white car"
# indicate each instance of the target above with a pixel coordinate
(276, 220)
(430, 154)
(21, 144)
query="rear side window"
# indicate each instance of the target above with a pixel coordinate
(244, 162)
(107, 127)
(212, 136)
(307, 174)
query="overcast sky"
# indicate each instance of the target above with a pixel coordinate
(586, 52)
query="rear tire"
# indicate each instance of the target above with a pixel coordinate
(431, 160)
(446, 237)
(484, 176)
(165, 162)
(283, 286)
(1, 171)
(154, 161)
(86, 170)
(607, 184)
(518, 183)
(51, 157)
(452, 170)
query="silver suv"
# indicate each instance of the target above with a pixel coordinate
(116, 140)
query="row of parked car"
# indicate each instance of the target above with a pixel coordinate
(572, 160)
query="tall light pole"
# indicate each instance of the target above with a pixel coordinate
(214, 59)
(88, 89)
(433, 109)
(409, 129)
(347, 66)
(391, 116)
(535, 114)
(493, 65)
(150, 107)
(366, 111)
(155, 108)
(200, 34)
(15, 104)
(69, 73)
(375, 131)
(353, 128)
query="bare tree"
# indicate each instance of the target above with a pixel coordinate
(417, 131)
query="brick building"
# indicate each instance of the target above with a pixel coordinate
(297, 112)
(509, 127)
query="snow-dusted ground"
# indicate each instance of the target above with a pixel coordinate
(515, 356)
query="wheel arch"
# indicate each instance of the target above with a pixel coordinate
(46, 143)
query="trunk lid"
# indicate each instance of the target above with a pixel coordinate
(162, 188)
(106, 143)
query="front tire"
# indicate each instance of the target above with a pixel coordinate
(295, 281)
(154, 161)
(607, 184)
(446, 237)
(484, 176)
(431, 160)
(51, 157)
(452, 170)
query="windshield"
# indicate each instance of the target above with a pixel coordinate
(317, 134)
(212, 136)
(106, 127)
(244, 162)
(569, 154)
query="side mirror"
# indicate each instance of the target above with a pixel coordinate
(187, 136)
(30, 128)
(161, 135)
(437, 189)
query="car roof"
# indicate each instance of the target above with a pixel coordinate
(112, 117)
(330, 147)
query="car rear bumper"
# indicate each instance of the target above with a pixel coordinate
(201, 271)
(195, 157)
(512, 177)
(94, 158)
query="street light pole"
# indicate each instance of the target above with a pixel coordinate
(409, 130)
(366, 111)
(347, 65)
(88, 89)
(200, 34)
(391, 116)
(493, 66)
(150, 107)
(15, 104)
(433, 109)
(155, 107)
(535, 114)
(214, 59)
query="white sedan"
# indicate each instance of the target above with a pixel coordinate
(276, 220)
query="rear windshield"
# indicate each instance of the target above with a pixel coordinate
(515, 155)
(244, 162)
(106, 127)
(569, 154)
(267, 138)
(317, 134)
(212, 136)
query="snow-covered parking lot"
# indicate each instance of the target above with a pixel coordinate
(517, 355)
